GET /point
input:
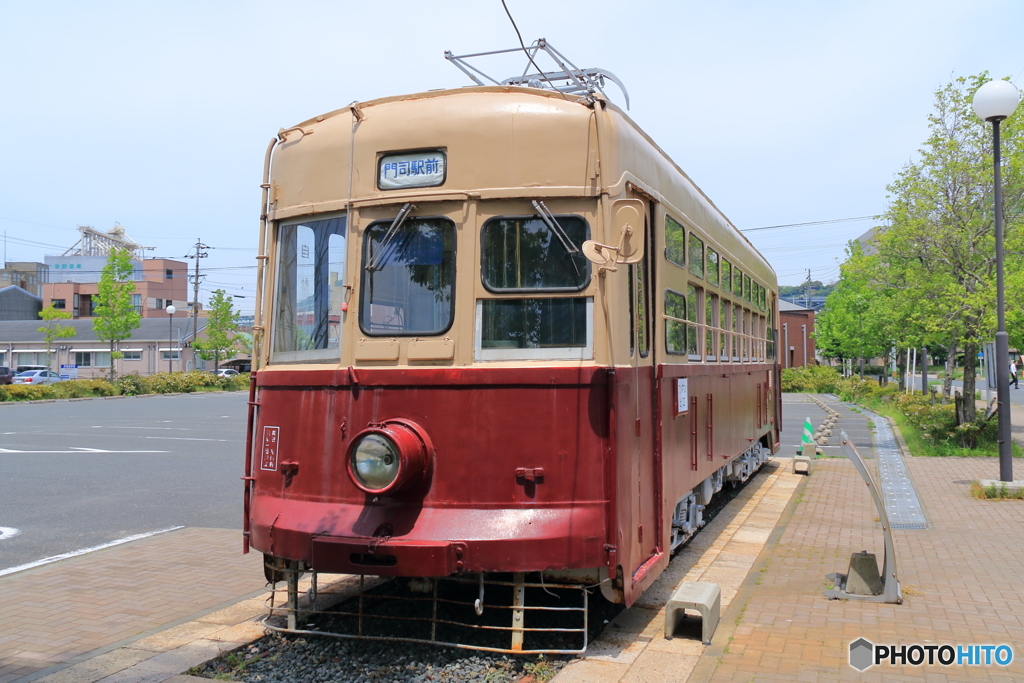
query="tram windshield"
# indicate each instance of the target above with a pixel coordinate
(408, 277)
(523, 253)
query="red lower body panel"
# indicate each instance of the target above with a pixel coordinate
(429, 541)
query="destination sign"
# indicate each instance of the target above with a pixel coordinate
(414, 169)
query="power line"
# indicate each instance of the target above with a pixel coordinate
(800, 225)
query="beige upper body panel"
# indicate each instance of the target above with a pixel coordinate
(499, 142)
(504, 146)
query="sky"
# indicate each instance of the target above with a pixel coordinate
(157, 115)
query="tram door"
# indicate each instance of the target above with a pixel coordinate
(647, 497)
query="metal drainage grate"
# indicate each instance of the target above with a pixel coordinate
(901, 502)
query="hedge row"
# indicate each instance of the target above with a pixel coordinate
(126, 385)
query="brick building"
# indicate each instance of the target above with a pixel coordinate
(796, 332)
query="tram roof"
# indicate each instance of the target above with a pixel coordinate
(565, 105)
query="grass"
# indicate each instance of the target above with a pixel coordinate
(541, 670)
(995, 493)
(921, 447)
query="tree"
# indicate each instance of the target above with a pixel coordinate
(53, 330)
(220, 329)
(116, 317)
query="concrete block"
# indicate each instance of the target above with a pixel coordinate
(802, 464)
(808, 450)
(702, 596)
(863, 577)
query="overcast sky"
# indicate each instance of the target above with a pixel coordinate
(156, 115)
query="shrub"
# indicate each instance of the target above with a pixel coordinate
(814, 379)
(25, 392)
(78, 388)
(239, 382)
(130, 385)
(179, 382)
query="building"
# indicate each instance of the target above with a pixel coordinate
(28, 275)
(162, 282)
(796, 332)
(157, 345)
(74, 276)
(17, 304)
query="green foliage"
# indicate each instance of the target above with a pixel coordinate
(796, 291)
(126, 385)
(80, 388)
(130, 385)
(993, 492)
(930, 275)
(53, 330)
(115, 316)
(218, 341)
(866, 392)
(179, 382)
(812, 379)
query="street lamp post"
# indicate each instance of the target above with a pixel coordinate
(995, 101)
(170, 336)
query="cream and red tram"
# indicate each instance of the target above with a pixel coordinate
(500, 331)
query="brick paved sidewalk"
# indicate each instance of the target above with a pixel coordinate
(72, 610)
(960, 577)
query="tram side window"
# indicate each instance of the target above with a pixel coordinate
(761, 336)
(712, 269)
(696, 254)
(408, 278)
(770, 336)
(675, 242)
(746, 288)
(695, 303)
(726, 275)
(638, 305)
(761, 298)
(675, 325)
(310, 289)
(746, 334)
(723, 322)
(737, 283)
(737, 330)
(711, 307)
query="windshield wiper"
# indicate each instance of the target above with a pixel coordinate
(389, 236)
(552, 223)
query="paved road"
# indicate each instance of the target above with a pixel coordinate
(75, 474)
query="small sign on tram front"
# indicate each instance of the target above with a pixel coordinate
(268, 457)
(413, 169)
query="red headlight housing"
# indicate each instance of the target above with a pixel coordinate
(390, 457)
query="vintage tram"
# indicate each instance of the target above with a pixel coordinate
(499, 331)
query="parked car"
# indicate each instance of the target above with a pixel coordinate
(36, 377)
(6, 374)
(225, 372)
(26, 368)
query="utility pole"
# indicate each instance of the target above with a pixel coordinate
(196, 279)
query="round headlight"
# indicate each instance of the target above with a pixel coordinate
(375, 462)
(389, 457)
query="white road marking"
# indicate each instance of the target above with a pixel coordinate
(180, 438)
(8, 532)
(83, 551)
(80, 451)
